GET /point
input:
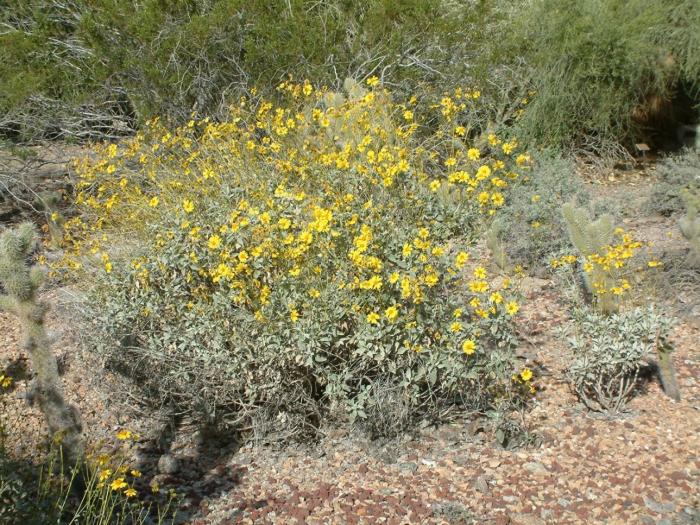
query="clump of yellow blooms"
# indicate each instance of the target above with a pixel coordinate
(108, 485)
(607, 273)
(343, 219)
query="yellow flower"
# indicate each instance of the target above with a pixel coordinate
(522, 159)
(408, 115)
(461, 259)
(654, 264)
(496, 298)
(373, 318)
(526, 374)
(431, 279)
(451, 161)
(243, 256)
(124, 434)
(153, 202)
(136, 473)
(473, 154)
(456, 326)
(434, 185)
(391, 313)
(372, 81)
(284, 223)
(104, 474)
(118, 484)
(478, 286)
(130, 492)
(294, 315)
(480, 272)
(214, 242)
(314, 293)
(512, 308)
(469, 346)
(188, 206)
(108, 267)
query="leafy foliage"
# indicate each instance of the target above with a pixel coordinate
(531, 228)
(297, 256)
(676, 173)
(594, 64)
(608, 353)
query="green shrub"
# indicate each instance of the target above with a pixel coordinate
(609, 352)
(592, 63)
(171, 59)
(297, 259)
(531, 227)
(676, 173)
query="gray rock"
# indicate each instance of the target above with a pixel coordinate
(661, 508)
(409, 466)
(482, 484)
(535, 468)
(168, 464)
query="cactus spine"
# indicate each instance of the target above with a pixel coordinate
(690, 222)
(591, 237)
(21, 283)
(497, 247)
(667, 371)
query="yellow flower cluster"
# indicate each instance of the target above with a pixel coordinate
(326, 198)
(606, 272)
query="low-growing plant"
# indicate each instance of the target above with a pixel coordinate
(609, 352)
(100, 489)
(676, 173)
(531, 228)
(295, 256)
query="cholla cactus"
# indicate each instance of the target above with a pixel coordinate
(591, 237)
(497, 247)
(690, 222)
(21, 283)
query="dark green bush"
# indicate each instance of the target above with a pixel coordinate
(170, 59)
(595, 64)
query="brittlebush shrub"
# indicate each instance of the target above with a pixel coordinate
(293, 257)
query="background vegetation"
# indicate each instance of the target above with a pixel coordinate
(604, 73)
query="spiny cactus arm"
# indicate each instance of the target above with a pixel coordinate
(576, 221)
(667, 371)
(36, 277)
(26, 233)
(7, 304)
(497, 247)
(605, 229)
